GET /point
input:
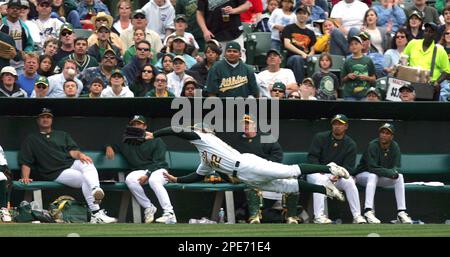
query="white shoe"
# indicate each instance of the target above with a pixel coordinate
(168, 218)
(101, 218)
(359, 220)
(404, 218)
(254, 220)
(333, 192)
(370, 217)
(292, 220)
(338, 170)
(322, 219)
(5, 215)
(149, 214)
(98, 195)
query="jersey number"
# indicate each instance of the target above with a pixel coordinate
(215, 160)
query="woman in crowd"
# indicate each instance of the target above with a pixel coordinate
(123, 22)
(379, 36)
(46, 66)
(144, 82)
(414, 26)
(212, 54)
(160, 89)
(392, 56)
(279, 18)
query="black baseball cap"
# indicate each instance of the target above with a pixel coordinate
(373, 90)
(45, 111)
(387, 126)
(431, 25)
(138, 118)
(340, 117)
(416, 13)
(303, 8)
(355, 38)
(275, 51)
(407, 87)
(180, 17)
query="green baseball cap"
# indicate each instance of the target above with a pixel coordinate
(180, 17)
(279, 85)
(117, 71)
(233, 45)
(138, 118)
(387, 126)
(341, 118)
(364, 35)
(66, 26)
(41, 80)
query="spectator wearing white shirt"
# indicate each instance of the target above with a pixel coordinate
(160, 15)
(117, 88)
(56, 82)
(176, 79)
(48, 27)
(180, 31)
(350, 13)
(279, 18)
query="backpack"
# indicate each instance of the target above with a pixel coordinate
(65, 209)
(25, 213)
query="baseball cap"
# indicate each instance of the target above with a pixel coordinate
(179, 57)
(44, 1)
(25, 3)
(109, 50)
(431, 25)
(247, 118)
(303, 8)
(9, 69)
(190, 81)
(180, 17)
(103, 26)
(341, 118)
(273, 51)
(45, 111)
(416, 13)
(408, 87)
(41, 80)
(138, 118)
(180, 38)
(233, 45)
(279, 85)
(138, 12)
(14, 3)
(66, 26)
(373, 90)
(117, 71)
(387, 126)
(310, 81)
(355, 38)
(364, 35)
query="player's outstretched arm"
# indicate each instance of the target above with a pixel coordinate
(190, 178)
(169, 131)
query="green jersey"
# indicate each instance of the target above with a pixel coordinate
(228, 81)
(382, 162)
(363, 66)
(325, 149)
(48, 154)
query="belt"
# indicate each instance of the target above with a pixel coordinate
(235, 168)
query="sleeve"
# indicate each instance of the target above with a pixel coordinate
(253, 86)
(345, 69)
(382, 17)
(3, 161)
(272, 19)
(168, 131)
(190, 178)
(374, 167)
(26, 153)
(443, 60)
(321, 43)
(314, 150)
(313, 40)
(70, 143)
(213, 80)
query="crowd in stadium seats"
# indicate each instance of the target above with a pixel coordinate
(185, 39)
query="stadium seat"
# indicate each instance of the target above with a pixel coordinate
(257, 46)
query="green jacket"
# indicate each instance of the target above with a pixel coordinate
(384, 163)
(27, 41)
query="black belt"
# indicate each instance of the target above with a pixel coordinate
(236, 166)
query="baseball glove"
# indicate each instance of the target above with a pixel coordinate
(133, 135)
(7, 51)
(213, 178)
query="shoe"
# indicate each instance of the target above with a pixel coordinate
(149, 214)
(5, 215)
(404, 218)
(98, 195)
(101, 218)
(370, 217)
(254, 220)
(168, 218)
(333, 192)
(322, 219)
(359, 220)
(292, 220)
(338, 170)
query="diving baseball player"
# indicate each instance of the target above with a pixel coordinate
(250, 169)
(5, 216)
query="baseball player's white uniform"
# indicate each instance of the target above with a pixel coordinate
(2, 162)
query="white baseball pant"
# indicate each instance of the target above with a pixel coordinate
(81, 175)
(156, 181)
(372, 180)
(2, 176)
(347, 185)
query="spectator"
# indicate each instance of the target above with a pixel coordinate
(358, 72)
(40, 88)
(307, 89)
(148, 165)
(274, 73)
(231, 77)
(143, 57)
(103, 43)
(321, 3)
(70, 88)
(160, 87)
(179, 46)
(5, 37)
(298, 41)
(66, 11)
(279, 19)
(446, 23)
(180, 31)
(67, 38)
(32, 27)
(80, 56)
(429, 14)
(104, 71)
(414, 25)
(407, 93)
(380, 166)
(325, 81)
(332, 41)
(104, 19)
(420, 53)
(88, 9)
(140, 21)
(390, 14)
(334, 146)
(212, 55)
(48, 27)
(144, 83)
(28, 78)
(51, 46)
(380, 37)
(263, 24)
(294, 95)
(278, 90)
(46, 66)
(226, 29)
(350, 14)
(373, 95)
(189, 9)
(253, 14)
(445, 41)
(189, 88)
(56, 82)
(392, 55)
(167, 63)
(176, 79)
(316, 12)
(95, 89)
(370, 51)
(160, 14)
(66, 164)
(117, 86)
(8, 85)
(123, 22)
(139, 35)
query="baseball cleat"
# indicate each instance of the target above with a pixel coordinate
(322, 219)
(292, 220)
(98, 195)
(101, 218)
(404, 218)
(5, 216)
(359, 220)
(149, 214)
(370, 217)
(338, 170)
(333, 192)
(167, 218)
(254, 220)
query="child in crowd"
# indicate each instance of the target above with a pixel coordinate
(325, 81)
(280, 18)
(263, 24)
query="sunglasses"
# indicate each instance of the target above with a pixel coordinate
(116, 76)
(45, 5)
(65, 33)
(278, 90)
(147, 71)
(400, 37)
(41, 86)
(161, 80)
(101, 20)
(447, 33)
(104, 31)
(139, 17)
(111, 57)
(143, 49)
